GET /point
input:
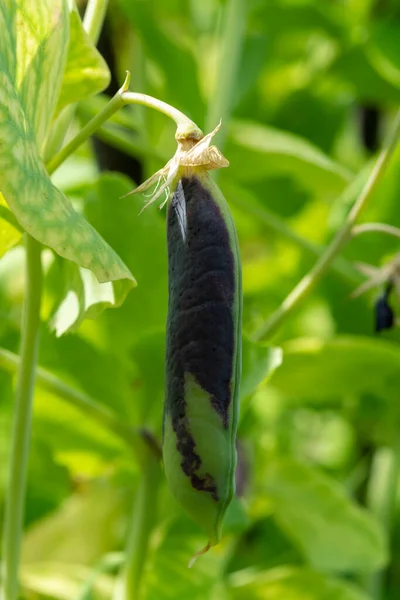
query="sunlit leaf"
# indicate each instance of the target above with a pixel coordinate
(334, 369)
(96, 371)
(259, 361)
(81, 531)
(62, 581)
(383, 49)
(140, 239)
(332, 531)
(167, 575)
(84, 298)
(86, 72)
(38, 53)
(291, 583)
(256, 151)
(148, 354)
(48, 481)
(26, 107)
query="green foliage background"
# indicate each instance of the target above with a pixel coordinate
(317, 517)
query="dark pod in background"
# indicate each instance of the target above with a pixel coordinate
(109, 158)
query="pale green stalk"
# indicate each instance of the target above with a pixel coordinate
(185, 127)
(305, 286)
(375, 227)
(111, 107)
(340, 265)
(93, 20)
(143, 519)
(381, 499)
(124, 141)
(22, 415)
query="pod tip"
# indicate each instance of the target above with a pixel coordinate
(197, 554)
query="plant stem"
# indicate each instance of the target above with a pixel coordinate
(143, 519)
(220, 106)
(133, 437)
(241, 199)
(15, 494)
(304, 287)
(185, 127)
(377, 227)
(124, 141)
(115, 104)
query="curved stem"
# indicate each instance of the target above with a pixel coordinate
(15, 495)
(124, 141)
(304, 287)
(377, 227)
(115, 104)
(133, 437)
(186, 127)
(240, 198)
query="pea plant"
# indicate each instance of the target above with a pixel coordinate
(131, 447)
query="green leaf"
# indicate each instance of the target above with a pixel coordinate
(291, 583)
(167, 576)
(383, 50)
(300, 18)
(332, 532)
(148, 354)
(85, 298)
(168, 50)
(80, 531)
(363, 80)
(140, 240)
(63, 581)
(38, 52)
(79, 443)
(259, 361)
(86, 72)
(312, 367)
(256, 152)
(263, 547)
(96, 371)
(30, 93)
(110, 562)
(48, 482)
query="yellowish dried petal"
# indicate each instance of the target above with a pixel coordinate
(190, 153)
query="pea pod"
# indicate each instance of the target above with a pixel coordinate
(203, 350)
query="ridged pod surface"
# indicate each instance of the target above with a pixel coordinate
(203, 351)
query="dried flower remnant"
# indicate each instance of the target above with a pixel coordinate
(193, 151)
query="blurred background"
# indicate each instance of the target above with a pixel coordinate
(307, 90)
